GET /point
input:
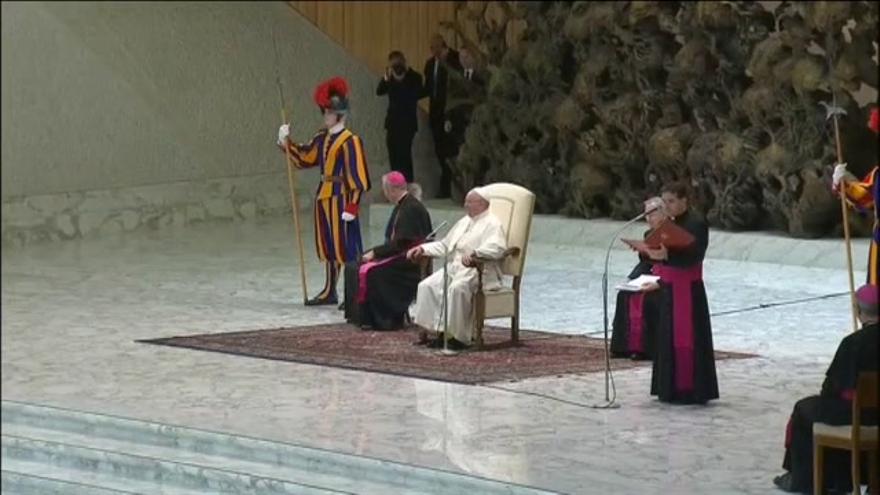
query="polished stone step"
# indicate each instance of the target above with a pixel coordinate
(147, 453)
(200, 460)
(28, 478)
(156, 475)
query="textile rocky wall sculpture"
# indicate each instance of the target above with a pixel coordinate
(593, 105)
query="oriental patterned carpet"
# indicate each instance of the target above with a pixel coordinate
(345, 346)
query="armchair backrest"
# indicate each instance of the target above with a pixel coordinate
(513, 205)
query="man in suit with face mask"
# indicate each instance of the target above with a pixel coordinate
(443, 60)
(404, 88)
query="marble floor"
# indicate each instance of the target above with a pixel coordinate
(71, 312)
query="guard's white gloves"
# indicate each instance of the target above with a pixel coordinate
(347, 217)
(838, 175)
(283, 133)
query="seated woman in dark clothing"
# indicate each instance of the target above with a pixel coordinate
(380, 288)
(635, 314)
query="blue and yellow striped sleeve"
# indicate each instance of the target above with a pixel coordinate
(305, 155)
(357, 176)
(861, 194)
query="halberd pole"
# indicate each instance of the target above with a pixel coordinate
(291, 177)
(832, 111)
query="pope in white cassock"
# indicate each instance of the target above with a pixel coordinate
(477, 235)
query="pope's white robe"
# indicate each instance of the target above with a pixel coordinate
(483, 235)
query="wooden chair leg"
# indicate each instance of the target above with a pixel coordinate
(874, 473)
(818, 465)
(479, 311)
(856, 471)
(514, 329)
(478, 334)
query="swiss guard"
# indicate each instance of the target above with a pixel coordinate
(864, 195)
(339, 154)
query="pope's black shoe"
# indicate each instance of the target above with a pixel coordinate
(453, 344)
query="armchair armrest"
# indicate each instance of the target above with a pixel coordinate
(479, 263)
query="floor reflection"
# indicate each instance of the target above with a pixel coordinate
(457, 429)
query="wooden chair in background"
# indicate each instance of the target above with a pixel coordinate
(856, 438)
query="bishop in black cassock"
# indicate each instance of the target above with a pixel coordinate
(856, 353)
(380, 287)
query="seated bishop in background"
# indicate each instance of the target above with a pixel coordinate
(635, 315)
(381, 286)
(857, 353)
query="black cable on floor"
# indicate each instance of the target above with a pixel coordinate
(539, 395)
(722, 313)
(782, 303)
(755, 308)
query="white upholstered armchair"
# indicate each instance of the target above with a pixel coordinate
(513, 205)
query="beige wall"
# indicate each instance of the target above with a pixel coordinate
(113, 95)
(369, 30)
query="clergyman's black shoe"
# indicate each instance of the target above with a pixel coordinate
(322, 301)
(785, 482)
(423, 338)
(435, 343)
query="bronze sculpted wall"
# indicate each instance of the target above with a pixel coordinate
(593, 105)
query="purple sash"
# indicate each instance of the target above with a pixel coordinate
(636, 310)
(682, 320)
(364, 269)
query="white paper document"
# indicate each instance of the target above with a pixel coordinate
(635, 285)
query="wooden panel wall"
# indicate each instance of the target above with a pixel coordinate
(369, 30)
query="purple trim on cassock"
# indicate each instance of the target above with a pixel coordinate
(682, 321)
(364, 270)
(636, 314)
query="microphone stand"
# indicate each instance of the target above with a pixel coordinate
(609, 402)
(446, 351)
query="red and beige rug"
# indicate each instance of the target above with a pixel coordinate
(345, 346)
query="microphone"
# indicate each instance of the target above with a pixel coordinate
(651, 209)
(433, 234)
(609, 402)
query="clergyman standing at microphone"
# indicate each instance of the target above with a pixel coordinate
(403, 87)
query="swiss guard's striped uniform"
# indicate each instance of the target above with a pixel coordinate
(344, 179)
(339, 154)
(865, 196)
